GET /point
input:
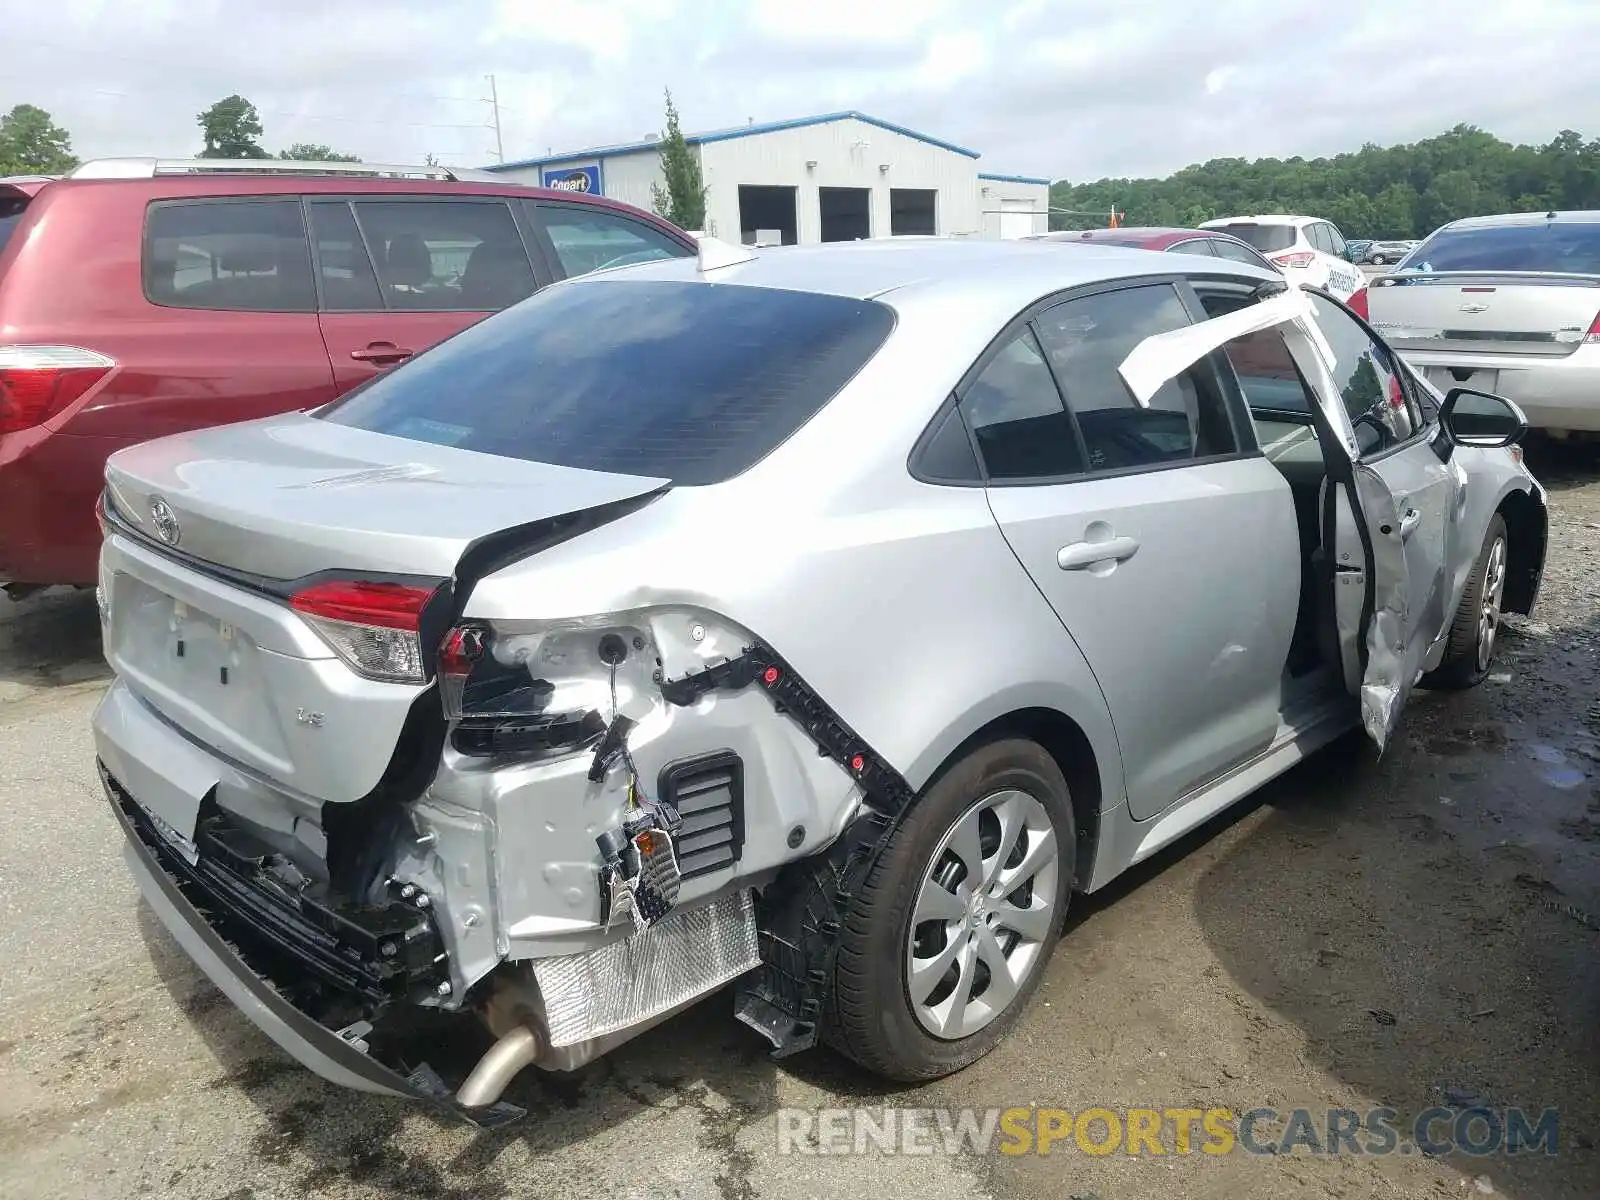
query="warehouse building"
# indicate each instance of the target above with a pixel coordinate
(830, 178)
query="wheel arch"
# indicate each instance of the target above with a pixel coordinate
(1065, 741)
(1527, 525)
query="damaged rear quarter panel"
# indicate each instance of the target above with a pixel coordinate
(898, 602)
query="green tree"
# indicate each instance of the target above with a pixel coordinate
(316, 152)
(683, 200)
(231, 127)
(1377, 191)
(33, 144)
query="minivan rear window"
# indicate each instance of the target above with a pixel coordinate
(1268, 239)
(11, 210)
(690, 382)
(1571, 247)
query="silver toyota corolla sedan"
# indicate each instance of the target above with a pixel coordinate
(820, 619)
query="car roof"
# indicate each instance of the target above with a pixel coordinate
(995, 278)
(1567, 217)
(1150, 237)
(1261, 219)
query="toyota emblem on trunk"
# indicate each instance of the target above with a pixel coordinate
(165, 521)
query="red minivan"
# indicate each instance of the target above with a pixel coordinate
(142, 297)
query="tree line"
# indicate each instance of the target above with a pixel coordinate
(31, 143)
(1404, 191)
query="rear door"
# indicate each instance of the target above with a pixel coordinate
(579, 238)
(1165, 544)
(397, 274)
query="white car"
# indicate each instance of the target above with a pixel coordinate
(1308, 250)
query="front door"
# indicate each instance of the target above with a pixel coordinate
(399, 274)
(1171, 558)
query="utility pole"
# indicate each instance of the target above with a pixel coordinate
(494, 107)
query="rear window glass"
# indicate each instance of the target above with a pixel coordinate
(684, 381)
(248, 256)
(1268, 239)
(11, 210)
(1569, 247)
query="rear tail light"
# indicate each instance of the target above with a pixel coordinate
(1358, 304)
(38, 382)
(1300, 258)
(375, 627)
(1594, 330)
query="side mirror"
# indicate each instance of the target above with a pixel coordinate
(1474, 418)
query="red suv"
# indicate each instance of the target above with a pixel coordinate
(141, 297)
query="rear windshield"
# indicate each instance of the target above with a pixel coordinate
(1570, 247)
(1268, 239)
(11, 210)
(684, 381)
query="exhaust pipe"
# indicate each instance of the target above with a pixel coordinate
(498, 1066)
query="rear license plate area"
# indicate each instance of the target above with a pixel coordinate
(1478, 378)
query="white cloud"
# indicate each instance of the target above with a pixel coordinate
(1092, 91)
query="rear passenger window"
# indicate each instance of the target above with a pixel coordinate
(1016, 414)
(248, 256)
(343, 266)
(445, 254)
(1087, 340)
(592, 239)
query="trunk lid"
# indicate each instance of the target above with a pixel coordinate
(1485, 312)
(198, 621)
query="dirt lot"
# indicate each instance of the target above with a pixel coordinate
(1408, 932)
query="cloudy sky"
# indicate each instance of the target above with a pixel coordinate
(1063, 88)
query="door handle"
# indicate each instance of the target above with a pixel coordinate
(381, 353)
(1086, 554)
(1409, 522)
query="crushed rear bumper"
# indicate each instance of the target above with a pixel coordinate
(168, 883)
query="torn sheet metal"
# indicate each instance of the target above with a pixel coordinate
(1164, 356)
(688, 954)
(1393, 656)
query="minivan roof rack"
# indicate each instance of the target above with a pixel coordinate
(149, 168)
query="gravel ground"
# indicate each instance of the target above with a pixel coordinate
(1405, 932)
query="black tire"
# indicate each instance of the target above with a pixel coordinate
(1466, 658)
(870, 1017)
(1376, 260)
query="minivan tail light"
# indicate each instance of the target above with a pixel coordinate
(1358, 304)
(37, 382)
(375, 626)
(1299, 258)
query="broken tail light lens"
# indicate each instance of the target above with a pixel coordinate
(543, 689)
(1298, 259)
(374, 626)
(38, 382)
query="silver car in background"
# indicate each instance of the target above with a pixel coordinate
(1507, 304)
(822, 619)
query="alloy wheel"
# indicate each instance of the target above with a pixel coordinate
(1489, 614)
(984, 908)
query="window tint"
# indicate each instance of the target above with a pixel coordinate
(1268, 239)
(1317, 235)
(1237, 252)
(1365, 375)
(592, 239)
(947, 455)
(250, 255)
(1192, 246)
(1016, 414)
(1571, 247)
(672, 380)
(1335, 240)
(348, 284)
(446, 254)
(11, 210)
(1267, 373)
(1087, 340)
